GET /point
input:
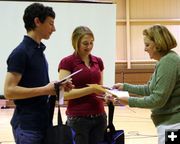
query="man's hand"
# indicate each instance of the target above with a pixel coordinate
(67, 85)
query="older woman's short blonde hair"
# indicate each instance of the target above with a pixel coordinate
(162, 38)
(77, 35)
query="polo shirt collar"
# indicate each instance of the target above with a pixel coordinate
(33, 45)
(93, 59)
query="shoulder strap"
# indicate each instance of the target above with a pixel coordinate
(56, 87)
(110, 117)
(52, 103)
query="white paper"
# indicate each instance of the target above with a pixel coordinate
(61, 96)
(69, 76)
(118, 93)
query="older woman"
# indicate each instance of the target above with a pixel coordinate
(162, 93)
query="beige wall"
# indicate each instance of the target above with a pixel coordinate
(135, 15)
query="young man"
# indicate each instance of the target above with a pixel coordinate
(27, 80)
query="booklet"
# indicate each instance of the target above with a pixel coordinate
(61, 92)
(69, 76)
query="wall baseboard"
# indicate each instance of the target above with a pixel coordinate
(140, 72)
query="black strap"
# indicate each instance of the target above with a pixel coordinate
(56, 87)
(59, 116)
(110, 126)
(111, 112)
(52, 103)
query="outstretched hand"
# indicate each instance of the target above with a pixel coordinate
(118, 86)
(98, 89)
(110, 98)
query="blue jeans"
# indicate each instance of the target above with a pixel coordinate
(88, 130)
(27, 136)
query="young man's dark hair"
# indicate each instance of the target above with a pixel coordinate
(36, 10)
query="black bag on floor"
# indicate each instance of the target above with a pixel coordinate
(112, 136)
(61, 133)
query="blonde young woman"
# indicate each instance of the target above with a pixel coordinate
(162, 93)
(85, 112)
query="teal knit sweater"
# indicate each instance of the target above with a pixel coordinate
(162, 93)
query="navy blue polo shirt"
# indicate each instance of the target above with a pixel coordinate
(29, 60)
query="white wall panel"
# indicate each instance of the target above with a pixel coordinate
(101, 18)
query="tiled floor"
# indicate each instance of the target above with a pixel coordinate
(136, 123)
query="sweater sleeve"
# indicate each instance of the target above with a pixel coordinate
(137, 89)
(160, 87)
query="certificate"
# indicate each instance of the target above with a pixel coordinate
(61, 91)
(69, 76)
